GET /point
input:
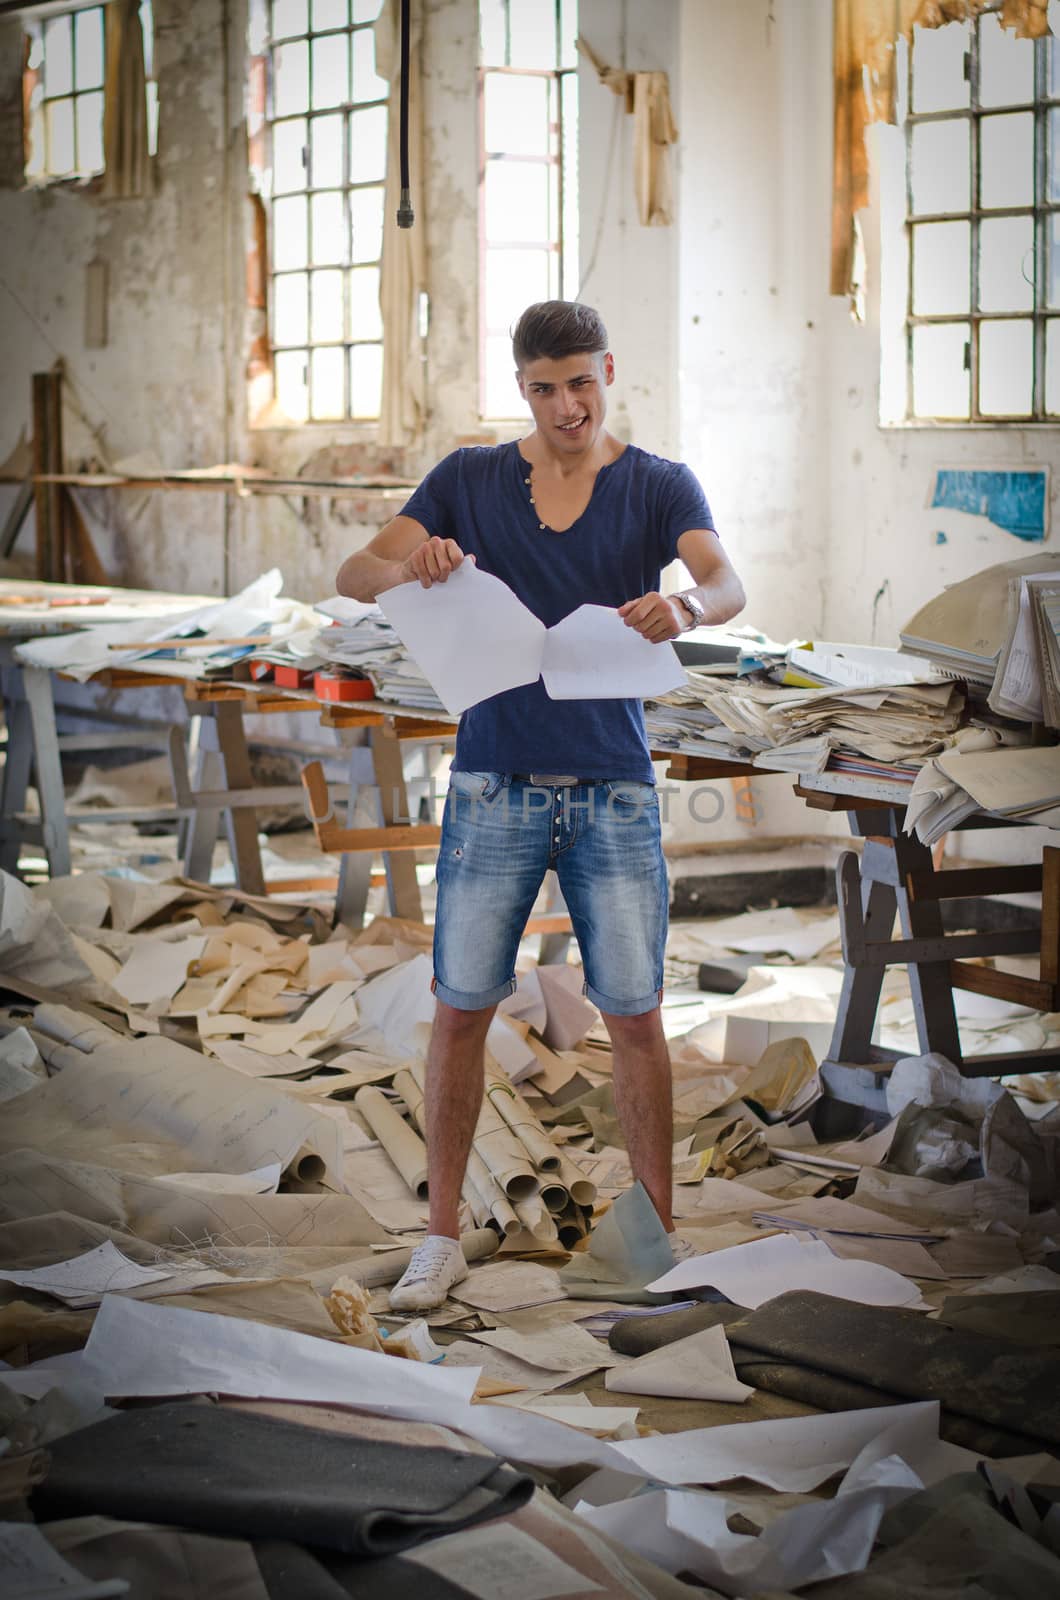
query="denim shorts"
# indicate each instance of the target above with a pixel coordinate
(500, 834)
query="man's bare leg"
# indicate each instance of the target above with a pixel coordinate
(453, 1102)
(644, 1101)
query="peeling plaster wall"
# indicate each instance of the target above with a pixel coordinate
(158, 385)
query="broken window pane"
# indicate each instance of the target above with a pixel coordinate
(368, 145)
(516, 115)
(1006, 160)
(366, 224)
(532, 34)
(326, 324)
(291, 392)
(326, 165)
(58, 57)
(940, 375)
(367, 84)
(515, 279)
(1052, 366)
(289, 17)
(1006, 365)
(366, 380)
(1006, 264)
(328, 383)
(288, 156)
(365, 318)
(327, 229)
(89, 114)
(290, 321)
(939, 83)
(493, 33)
(290, 79)
(516, 201)
(941, 279)
(88, 48)
(941, 166)
(1006, 66)
(331, 71)
(60, 119)
(290, 241)
(328, 14)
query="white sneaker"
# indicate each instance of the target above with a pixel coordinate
(682, 1249)
(437, 1264)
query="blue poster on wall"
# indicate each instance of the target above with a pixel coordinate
(1015, 500)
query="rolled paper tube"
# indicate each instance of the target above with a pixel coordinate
(307, 1166)
(412, 1093)
(523, 1123)
(582, 1189)
(555, 1196)
(498, 1209)
(536, 1220)
(503, 1154)
(404, 1147)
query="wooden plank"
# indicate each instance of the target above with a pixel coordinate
(690, 768)
(559, 923)
(403, 890)
(1021, 991)
(955, 883)
(1050, 967)
(818, 800)
(409, 836)
(241, 823)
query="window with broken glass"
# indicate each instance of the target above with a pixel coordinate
(981, 112)
(528, 197)
(64, 66)
(327, 165)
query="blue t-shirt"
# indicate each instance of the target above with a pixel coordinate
(640, 507)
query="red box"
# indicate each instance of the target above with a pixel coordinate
(326, 686)
(293, 678)
(260, 670)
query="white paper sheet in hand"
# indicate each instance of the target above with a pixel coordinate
(469, 636)
(751, 1274)
(593, 655)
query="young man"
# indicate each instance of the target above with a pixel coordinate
(566, 516)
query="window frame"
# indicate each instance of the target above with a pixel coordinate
(559, 184)
(347, 187)
(83, 179)
(1040, 210)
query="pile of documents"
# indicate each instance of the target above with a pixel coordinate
(805, 730)
(996, 630)
(1019, 782)
(359, 637)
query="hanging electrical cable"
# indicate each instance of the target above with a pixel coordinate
(405, 214)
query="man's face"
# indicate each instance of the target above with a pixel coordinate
(567, 398)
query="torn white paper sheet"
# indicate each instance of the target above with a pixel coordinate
(499, 1562)
(33, 1570)
(791, 1453)
(85, 1279)
(34, 944)
(577, 1411)
(392, 1005)
(591, 654)
(751, 1274)
(139, 1349)
(782, 928)
(244, 1058)
(21, 1067)
(509, 1285)
(682, 1530)
(81, 900)
(156, 970)
(697, 1368)
(265, 1180)
(506, 1368)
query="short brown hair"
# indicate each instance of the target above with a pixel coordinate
(552, 329)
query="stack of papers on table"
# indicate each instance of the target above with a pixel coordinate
(965, 629)
(1027, 685)
(1020, 782)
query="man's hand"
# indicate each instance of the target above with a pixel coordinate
(432, 562)
(657, 618)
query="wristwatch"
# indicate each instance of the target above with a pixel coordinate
(695, 608)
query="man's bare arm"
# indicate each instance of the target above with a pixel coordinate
(402, 552)
(719, 590)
